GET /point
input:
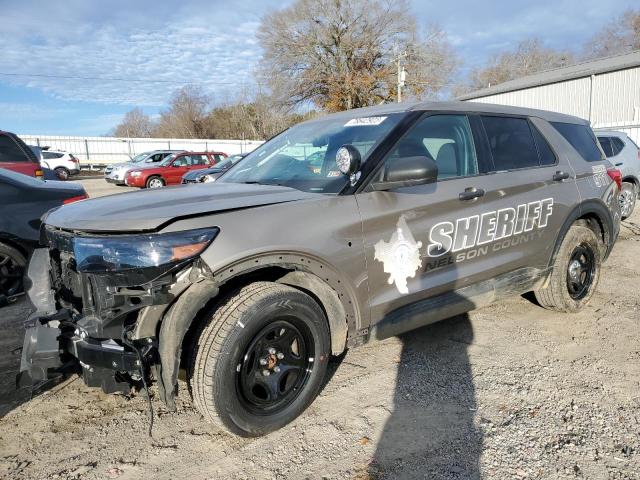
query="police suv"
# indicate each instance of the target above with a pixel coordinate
(416, 212)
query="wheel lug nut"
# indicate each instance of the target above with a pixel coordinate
(280, 355)
(272, 350)
(266, 373)
(276, 369)
(263, 361)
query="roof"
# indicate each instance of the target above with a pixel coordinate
(453, 106)
(579, 70)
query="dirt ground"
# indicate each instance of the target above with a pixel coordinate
(511, 391)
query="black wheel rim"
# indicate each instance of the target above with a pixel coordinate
(580, 271)
(275, 367)
(11, 273)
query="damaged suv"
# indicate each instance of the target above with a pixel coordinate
(416, 213)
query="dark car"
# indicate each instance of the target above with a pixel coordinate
(23, 200)
(17, 156)
(211, 174)
(417, 212)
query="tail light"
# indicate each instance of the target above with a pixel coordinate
(74, 159)
(75, 199)
(39, 174)
(616, 176)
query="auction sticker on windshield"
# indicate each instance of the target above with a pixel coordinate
(365, 121)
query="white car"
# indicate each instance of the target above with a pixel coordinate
(63, 163)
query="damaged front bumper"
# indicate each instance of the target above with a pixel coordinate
(55, 344)
(53, 347)
(102, 327)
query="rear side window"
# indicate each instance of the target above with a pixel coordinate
(581, 138)
(607, 147)
(10, 151)
(617, 145)
(511, 143)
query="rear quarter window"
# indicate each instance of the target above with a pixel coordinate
(617, 144)
(581, 139)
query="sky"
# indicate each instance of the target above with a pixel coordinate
(76, 67)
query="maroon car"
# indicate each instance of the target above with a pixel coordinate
(15, 155)
(170, 170)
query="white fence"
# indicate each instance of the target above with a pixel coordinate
(104, 150)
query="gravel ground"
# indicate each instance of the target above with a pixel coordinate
(511, 391)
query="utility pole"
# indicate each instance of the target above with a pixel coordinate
(402, 75)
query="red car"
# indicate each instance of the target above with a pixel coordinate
(170, 170)
(17, 156)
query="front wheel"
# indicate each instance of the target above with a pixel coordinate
(260, 360)
(155, 182)
(575, 273)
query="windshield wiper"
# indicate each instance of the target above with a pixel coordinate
(255, 182)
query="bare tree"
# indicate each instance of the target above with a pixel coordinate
(621, 35)
(186, 115)
(341, 54)
(530, 56)
(258, 118)
(134, 124)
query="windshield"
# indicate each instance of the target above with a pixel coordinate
(168, 159)
(304, 157)
(139, 157)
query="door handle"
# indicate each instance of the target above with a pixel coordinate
(619, 164)
(559, 176)
(470, 193)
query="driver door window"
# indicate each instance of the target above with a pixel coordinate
(445, 139)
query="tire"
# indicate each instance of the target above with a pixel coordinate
(572, 284)
(62, 173)
(155, 182)
(627, 199)
(12, 269)
(227, 381)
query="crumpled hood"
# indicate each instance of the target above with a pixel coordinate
(147, 210)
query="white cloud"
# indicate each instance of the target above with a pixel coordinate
(218, 56)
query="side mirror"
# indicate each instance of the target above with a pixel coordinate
(407, 172)
(348, 159)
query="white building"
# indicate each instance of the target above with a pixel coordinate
(605, 91)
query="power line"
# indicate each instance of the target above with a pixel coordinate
(107, 79)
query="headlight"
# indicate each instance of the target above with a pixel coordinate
(135, 173)
(126, 252)
(207, 178)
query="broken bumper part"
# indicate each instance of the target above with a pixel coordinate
(49, 351)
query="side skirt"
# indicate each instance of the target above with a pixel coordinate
(456, 302)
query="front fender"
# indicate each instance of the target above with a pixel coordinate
(175, 324)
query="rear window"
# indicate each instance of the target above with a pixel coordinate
(511, 143)
(581, 138)
(12, 151)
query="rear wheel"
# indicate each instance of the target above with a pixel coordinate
(155, 182)
(62, 173)
(12, 265)
(627, 199)
(575, 273)
(260, 360)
